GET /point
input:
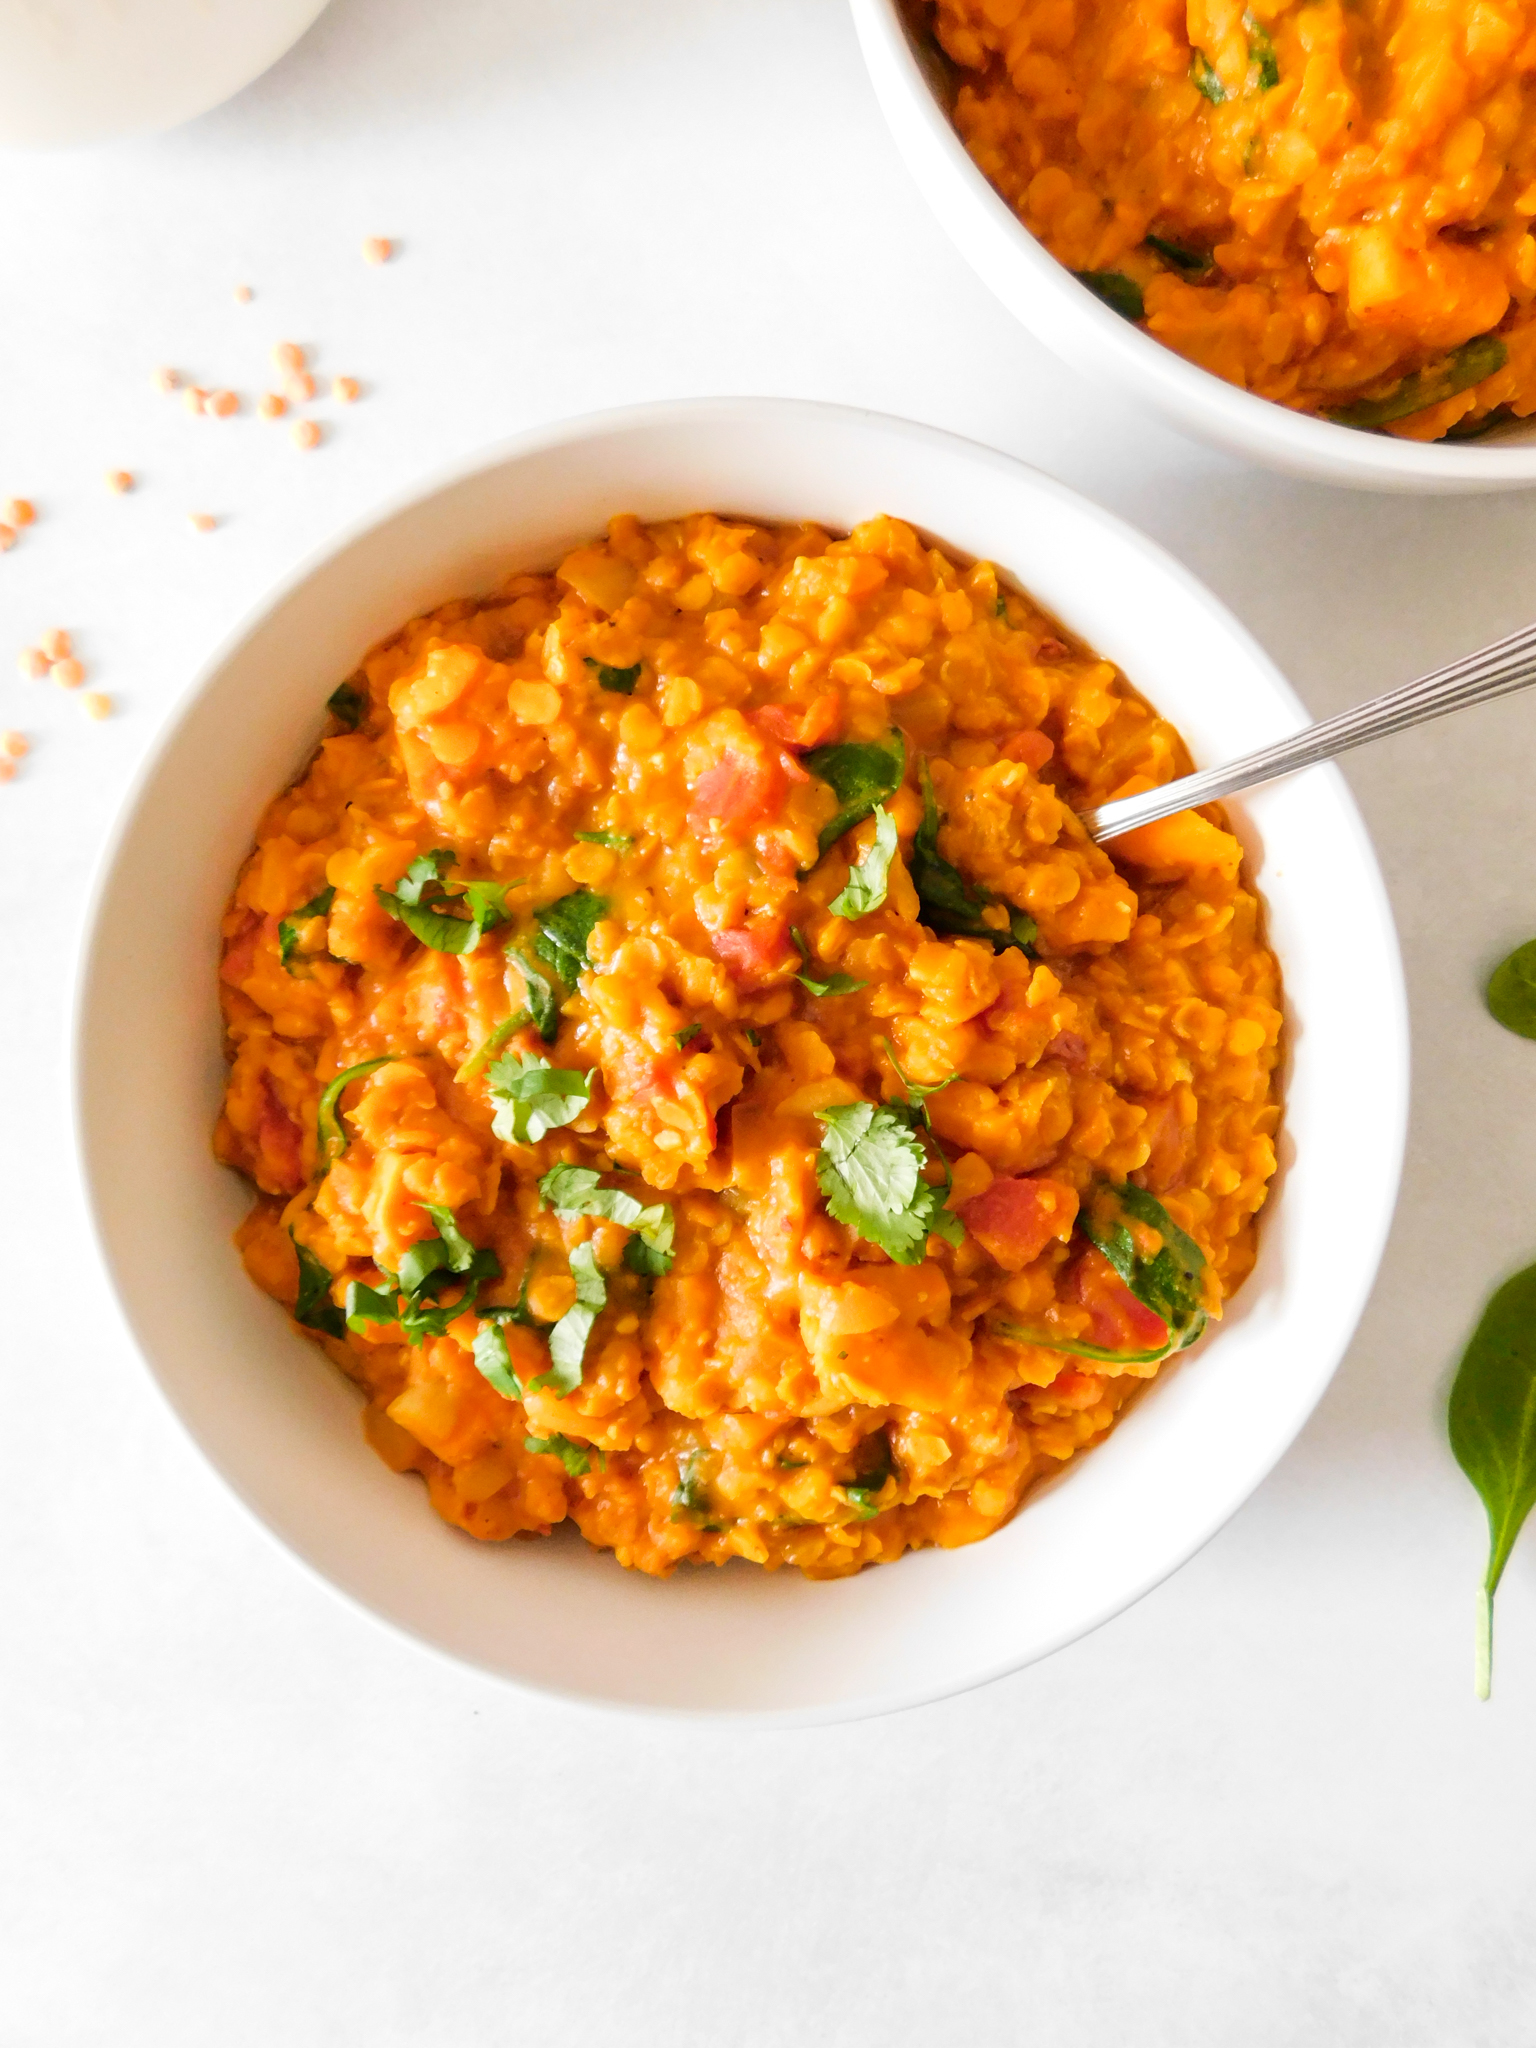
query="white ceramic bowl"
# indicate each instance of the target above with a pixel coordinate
(282, 1426)
(88, 70)
(1083, 331)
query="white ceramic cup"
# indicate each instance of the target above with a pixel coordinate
(89, 70)
(282, 1426)
(1083, 331)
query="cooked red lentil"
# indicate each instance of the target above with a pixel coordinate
(1327, 204)
(698, 1077)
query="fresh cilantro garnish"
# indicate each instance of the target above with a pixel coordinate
(687, 1035)
(870, 1170)
(539, 995)
(616, 842)
(862, 773)
(623, 680)
(413, 1296)
(1168, 1282)
(421, 903)
(314, 1307)
(863, 1493)
(494, 1360)
(534, 1098)
(288, 931)
(1206, 79)
(1000, 609)
(330, 1139)
(564, 928)
(346, 704)
(834, 984)
(690, 1496)
(915, 1108)
(576, 1458)
(568, 1338)
(947, 902)
(491, 1044)
(578, 1191)
(1264, 64)
(864, 889)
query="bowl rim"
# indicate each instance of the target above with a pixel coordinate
(1019, 268)
(571, 433)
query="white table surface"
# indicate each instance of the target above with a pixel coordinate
(1262, 1808)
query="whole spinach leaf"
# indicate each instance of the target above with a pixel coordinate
(1492, 1425)
(1168, 1282)
(862, 773)
(564, 928)
(1459, 371)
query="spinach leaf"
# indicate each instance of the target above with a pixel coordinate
(450, 1250)
(1511, 994)
(946, 900)
(1492, 1422)
(1120, 293)
(314, 1306)
(1261, 54)
(495, 1361)
(534, 1098)
(330, 1139)
(1049, 1341)
(564, 928)
(862, 773)
(539, 996)
(568, 1338)
(690, 1496)
(1206, 79)
(577, 1191)
(347, 704)
(1462, 368)
(288, 931)
(863, 1493)
(413, 1296)
(1167, 1282)
(576, 1458)
(865, 887)
(616, 842)
(623, 680)
(371, 1304)
(833, 985)
(1191, 262)
(870, 1170)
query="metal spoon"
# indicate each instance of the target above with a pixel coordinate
(1494, 671)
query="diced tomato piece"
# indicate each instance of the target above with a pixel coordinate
(756, 953)
(1070, 1047)
(1015, 1218)
(1120, 1321)
(1031, 747)
(743, 789)
(792, 769)
(817, 723)
(279, 1138)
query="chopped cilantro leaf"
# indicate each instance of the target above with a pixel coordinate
(568, 1338)
(865, 887)
(616, 842)
(314, 1306)
(863, 1493)
(539, 995)
(288, 930)
(623, 680)
(915, 1107)
(687, 1035)
(423, 905)
(413, 1296)
(347, 704)
(947, 902)
(330, 1139)
(577, 1191)
(564, 928)
(1206, 79)
(690, 1496)
(833, 985)
(423, 875)
(371, 1304)
(862, 773)
(534, 1098)
(870, 1170)
(576, 1458)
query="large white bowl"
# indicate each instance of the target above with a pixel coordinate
(282, 1426)
(1083, 331)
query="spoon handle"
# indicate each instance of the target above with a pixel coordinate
(1491, 672)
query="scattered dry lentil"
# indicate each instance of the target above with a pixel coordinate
(287, 355)
(306, 433)
(222, 403)
(201, 522)
(56, 644)
(300, 387)
(378, 249)
(119, 480)
(166, 380)
(19, 512)
(7, 538)
(33, 664)
(272, 405)
(69, 674)
(346, 389)
(243, 295)
(14, 744)
(96, 704)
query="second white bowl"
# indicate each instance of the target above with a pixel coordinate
(1083, 331)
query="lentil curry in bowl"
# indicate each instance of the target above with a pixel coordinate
(700, 1080)
(1329, 206)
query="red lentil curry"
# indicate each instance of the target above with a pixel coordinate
(697, 1075)
(1327, 204)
